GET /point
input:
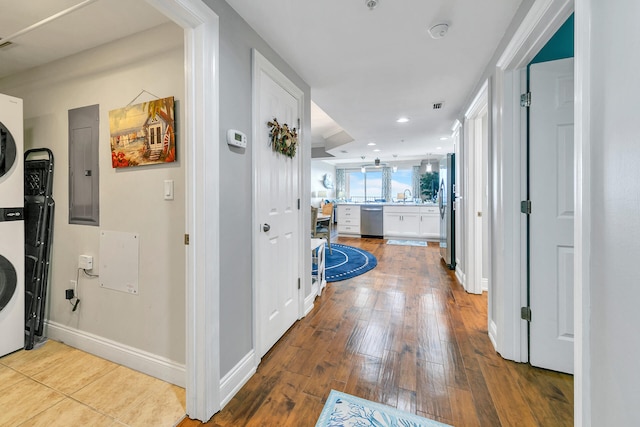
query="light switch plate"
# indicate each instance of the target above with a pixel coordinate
(168, 189)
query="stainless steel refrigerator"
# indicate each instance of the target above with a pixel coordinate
(446, 199)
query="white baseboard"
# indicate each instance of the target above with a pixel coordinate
(308, 301)
(460, 276)
(485, 285)
(237, 377)
(131, 357)
(493, 334)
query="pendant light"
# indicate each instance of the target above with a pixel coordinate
(429, 167)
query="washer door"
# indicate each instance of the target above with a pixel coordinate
(7, 150)
(8, 282)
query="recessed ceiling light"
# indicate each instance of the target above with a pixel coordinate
(402, 120)
(438, 148)
(444, 138)
(371, 143)
(376, 150)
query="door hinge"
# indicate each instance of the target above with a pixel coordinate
(298, 204)
(525, 100)
(525, 207)
(525, 313)
(298, 283)
(298, 125)
(186, 239)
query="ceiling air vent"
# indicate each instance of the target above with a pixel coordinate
(437, 105)
(5, 44)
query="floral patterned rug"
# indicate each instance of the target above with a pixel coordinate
(344, 410)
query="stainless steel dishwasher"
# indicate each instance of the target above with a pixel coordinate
(371, 221)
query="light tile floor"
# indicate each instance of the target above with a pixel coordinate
(57, 385)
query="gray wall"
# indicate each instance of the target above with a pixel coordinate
(615, 206)
(131, 199)
(236, 305)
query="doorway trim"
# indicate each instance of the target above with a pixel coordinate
(473, 148)
(201, 124)
(538, 26)
(582, 225)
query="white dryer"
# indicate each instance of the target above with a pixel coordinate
(12, 253)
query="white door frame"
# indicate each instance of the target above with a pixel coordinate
(509, 333)
(473, 143)
(582, 220)
(201, 123)
(262, 64)
(457, 136)
(542, 21)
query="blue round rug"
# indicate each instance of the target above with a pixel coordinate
(346, 262)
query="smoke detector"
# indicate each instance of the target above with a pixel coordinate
(438, 31)
(371, 4)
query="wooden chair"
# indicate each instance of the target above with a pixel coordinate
(327, 209)
(320, 228)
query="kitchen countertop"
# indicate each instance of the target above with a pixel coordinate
(386, 204)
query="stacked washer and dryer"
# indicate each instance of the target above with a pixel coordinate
(12, 248)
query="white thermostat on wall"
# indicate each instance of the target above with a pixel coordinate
(237, 138)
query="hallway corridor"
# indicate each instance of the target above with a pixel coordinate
(404, 334)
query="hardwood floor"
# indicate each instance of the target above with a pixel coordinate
(404, 334)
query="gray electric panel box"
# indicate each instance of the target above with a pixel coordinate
(84, 197)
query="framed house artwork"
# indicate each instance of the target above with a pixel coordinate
(143, 134)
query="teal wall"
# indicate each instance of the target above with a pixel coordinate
(560, 46)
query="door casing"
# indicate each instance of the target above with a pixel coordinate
(202, 204)
(474, 141)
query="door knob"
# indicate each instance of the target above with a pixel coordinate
(266, 228)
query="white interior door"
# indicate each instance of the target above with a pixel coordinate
(475, 144)
(277, 214)
(551, 180)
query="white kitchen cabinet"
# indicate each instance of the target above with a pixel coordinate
(429, 222)
(412, 222)
(401, 221)
(349, 220)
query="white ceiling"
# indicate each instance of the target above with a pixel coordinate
(368, 68)
(365, 68)
(96, 23)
